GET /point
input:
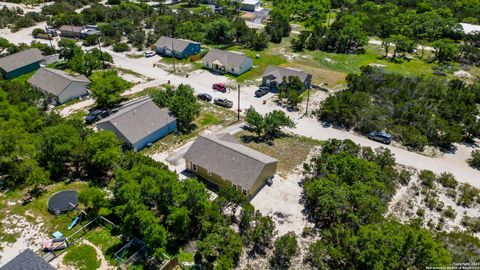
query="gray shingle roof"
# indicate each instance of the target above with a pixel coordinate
(21, 59)
(54, 81)
(179, 45)
(76, 29)
(277, 73)
(227, 58)
(137, 120)
(222, 155)
(27, 260)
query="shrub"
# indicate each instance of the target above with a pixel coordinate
(450, 213)
(38, 31)
(472, 224)
(468, 195)
(447, 180)
(421, 212)
(427, 178)
(474, 160)
(121, 47)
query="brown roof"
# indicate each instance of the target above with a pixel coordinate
(17, 60)
(54, 81)
(221, 154)
(75, 28)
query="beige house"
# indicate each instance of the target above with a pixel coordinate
(221, 160)
(231, 62)
(58, 83)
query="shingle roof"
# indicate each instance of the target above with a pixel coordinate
(226, 58)
(277, 73)
(21, 59)
(27, 260)
(75, 28)
(54, 81)
(138, 119)
(222, 155)
(179, 45)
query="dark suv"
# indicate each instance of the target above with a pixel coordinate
(262, 91)
(382, 137)
(223, 102)
(204, 97)
(96, 115)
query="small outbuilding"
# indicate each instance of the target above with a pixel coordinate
(139, 123)
(27, 260)
(232, 62)
(71, 31)
(273, 77)
(180, 48)
(20, 63)
(251, 5)
(63, 86)
(223, 161)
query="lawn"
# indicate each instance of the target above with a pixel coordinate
(290, 151)
(106, 242)
(82, 257)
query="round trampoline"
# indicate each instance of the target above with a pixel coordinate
(63, 201)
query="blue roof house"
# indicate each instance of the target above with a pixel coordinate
(180, 48)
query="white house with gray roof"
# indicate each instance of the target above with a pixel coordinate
(60, 84)
(231, 62)
(139, 123)
(273, 76)
(223, 161)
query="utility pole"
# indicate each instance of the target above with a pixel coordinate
(238, 104)
(49, 37)
(308, 99)
(173, 55)
(101, 53)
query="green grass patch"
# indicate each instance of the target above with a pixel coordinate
(129, 71)
(82, 257)
(184, 257)
(207, 118)
(106, 242)
(8, 237)
(134, 55)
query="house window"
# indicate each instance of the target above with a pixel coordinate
(194, 167)
(244, 192)
(206, 64)
(233, 69)
(209, 173)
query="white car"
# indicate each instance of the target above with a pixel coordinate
(150, 54)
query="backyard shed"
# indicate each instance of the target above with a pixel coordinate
(139, 123)
(223, 161)
(20, 63)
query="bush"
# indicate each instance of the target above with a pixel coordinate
(427, 178)
(38, 31)
(121, 47)
(447, 180)
(472, 224)
(450, 213)
(474, 160)
(468, 195)
(286, 247)
(421, 212)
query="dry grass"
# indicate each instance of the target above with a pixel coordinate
(319, 75)
(290, 151)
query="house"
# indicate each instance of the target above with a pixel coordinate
(470, 28)
(232, 62)
(251, 5)
(273, 76)
(17, 64)
(27, 260)
(85, 32)
(221, 160)
(180, 48)
(58, 83)
(70, 31)
(139, 123)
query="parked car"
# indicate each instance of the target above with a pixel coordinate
(382, 137)
(223, 102)
(262, 91)
(150, 54)
(219, 87)
(204, 97)
(96, 115)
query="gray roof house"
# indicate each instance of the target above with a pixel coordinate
(273, 76)
(61, 85)
(27, 260)
(17, 64)
(71, 31)
(139, 123)
(180, 48)
(223, 161)
(232, 62)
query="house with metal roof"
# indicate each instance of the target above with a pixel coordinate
(223, 161)
(27, 260)
(20, 63)
(70, 31)
(231, 62)
(274, 77)
(60, 84)
(251, 5)
(139, 123)
(180, 48)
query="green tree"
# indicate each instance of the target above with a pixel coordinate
(107, 87)
(275, 121)
(290, 90)
(67, 48)
(286, 247)
(255, 121)
(474, 160)
(102, 152)
(219, 31)
(445, 50)
(93, 199)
